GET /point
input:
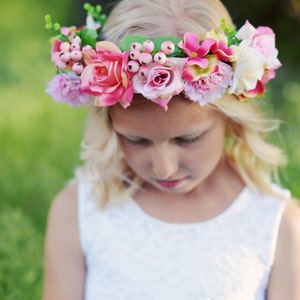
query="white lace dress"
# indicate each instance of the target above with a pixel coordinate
(133, 256)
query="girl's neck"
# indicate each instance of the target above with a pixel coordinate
(210, 198)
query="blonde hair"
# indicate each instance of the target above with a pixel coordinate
(105, 167)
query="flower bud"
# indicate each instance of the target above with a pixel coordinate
(75, 39)
(143, 71)
(77, 68)
(76, 55)
(64, 56)
(136, 46)
(75, 46)
(134, 54)
(65, 46)
(148, 46)
(160, 57)
(133, 66)
(61, 65)
(145, 58)
(167, 47)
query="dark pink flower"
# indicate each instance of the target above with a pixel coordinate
(195, 51)
(106, 75)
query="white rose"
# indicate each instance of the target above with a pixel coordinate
(247, 70)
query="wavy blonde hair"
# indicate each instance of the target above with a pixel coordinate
(250, 155)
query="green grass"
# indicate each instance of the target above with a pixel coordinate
(39, 142)
(21, 257)
(39, 145)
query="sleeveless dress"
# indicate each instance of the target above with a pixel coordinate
(131, 255)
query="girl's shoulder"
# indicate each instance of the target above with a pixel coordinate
(62, 225)
(287, 259)
(66, 198)
(63, 211)
(64, 260)
(290, 225)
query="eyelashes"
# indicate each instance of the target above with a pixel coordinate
(181, 141)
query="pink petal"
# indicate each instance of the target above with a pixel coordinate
(163, 102)
(191, 41)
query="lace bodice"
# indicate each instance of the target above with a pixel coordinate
(133, 256)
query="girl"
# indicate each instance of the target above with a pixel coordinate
(175, 199)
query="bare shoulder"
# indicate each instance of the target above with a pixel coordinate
(290, 225)
(64, 259)
(63, 218)
(63, 212)
(285, 273)
(65, 200)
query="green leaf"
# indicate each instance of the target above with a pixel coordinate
(95, 12)
(129, 40)
(62, 38)
(230, 33)
(88, 37)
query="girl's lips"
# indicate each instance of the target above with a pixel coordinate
(169, 183)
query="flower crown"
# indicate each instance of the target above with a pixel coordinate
(238, 62)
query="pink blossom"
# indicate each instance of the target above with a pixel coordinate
(193, 72)
(263, 40)
(196, 53)
(106, 75)
(258, 91)
(66, 87)
(160, 84)
(209, 87)
(220, 47)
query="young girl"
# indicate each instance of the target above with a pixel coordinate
(175, 199)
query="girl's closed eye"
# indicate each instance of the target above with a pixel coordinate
(183, 141)
(189, 140)
(137, 141)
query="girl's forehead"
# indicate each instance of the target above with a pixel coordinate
(182, 117)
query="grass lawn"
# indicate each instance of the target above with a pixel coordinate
(39, 143)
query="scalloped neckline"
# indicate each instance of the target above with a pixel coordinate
(227, 212)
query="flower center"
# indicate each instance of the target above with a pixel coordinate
(194, 54)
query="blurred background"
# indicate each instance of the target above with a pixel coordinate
(39, 140)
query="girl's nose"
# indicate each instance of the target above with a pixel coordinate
(164, 163)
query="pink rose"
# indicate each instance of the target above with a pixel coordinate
(106, 75)
(159, 84)
(66, 87)
(263, 40)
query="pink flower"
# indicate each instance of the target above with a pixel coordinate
(66, 87)
(193, 72)
(258, 91)
(160, 83)
(263, 40)
(220, 47)
(196, 53)
(106, 75)
(209, 87)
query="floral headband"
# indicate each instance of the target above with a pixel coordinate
(238, 62)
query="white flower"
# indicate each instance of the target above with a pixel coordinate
(247, 70)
